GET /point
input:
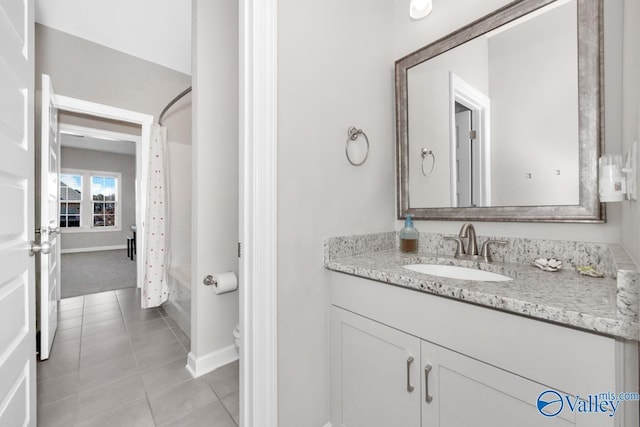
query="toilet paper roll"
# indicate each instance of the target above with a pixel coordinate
(225, 282)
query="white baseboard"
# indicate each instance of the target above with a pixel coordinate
(198, 366)
(94, 249)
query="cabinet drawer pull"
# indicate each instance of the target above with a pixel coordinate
(409, 386)
(427, 397)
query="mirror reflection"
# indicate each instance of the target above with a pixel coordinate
(494, 121)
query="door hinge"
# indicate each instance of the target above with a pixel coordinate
(473, 134)
(239, 250)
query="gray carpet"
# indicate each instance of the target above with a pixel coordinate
(91, 272)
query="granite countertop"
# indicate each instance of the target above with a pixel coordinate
(564, 297)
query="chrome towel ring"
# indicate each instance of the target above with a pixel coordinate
(352, 134)
(425, 153)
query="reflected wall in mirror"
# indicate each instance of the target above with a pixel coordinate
(509, 108)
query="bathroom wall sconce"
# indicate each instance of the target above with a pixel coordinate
(419, 9)
(618, 176)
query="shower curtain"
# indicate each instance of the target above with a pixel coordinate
(155, 289)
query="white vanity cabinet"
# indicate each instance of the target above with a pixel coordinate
(385, 377)
(379, 372)
(405, 358)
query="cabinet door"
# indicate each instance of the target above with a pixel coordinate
(466, 392)
(375, 378)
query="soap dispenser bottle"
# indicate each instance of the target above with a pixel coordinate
(409, 236)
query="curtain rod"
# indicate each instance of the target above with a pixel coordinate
(173, 101)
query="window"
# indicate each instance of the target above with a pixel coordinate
(90, 201)
(103, 195)
(70, 200)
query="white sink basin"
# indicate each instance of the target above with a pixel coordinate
(455, 272)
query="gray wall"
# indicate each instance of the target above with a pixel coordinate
(180, 203)
(75, 158)
(92, 72)
(215, 172)
(526, 138)
(335, 69)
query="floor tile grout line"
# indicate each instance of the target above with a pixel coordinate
(137, 371)
(153, 417)
(126, 326)
(221, 402)
(164, 318)
(187, 350)
(92, 388)
(75, 396)
(146, 392)
(77, 370)
(226, 409)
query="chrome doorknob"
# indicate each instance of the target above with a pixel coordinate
(44, 248)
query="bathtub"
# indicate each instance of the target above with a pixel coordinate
(178, 306)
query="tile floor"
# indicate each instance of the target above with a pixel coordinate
(115, 364)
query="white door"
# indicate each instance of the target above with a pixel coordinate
(49, 219)
(375, 378)
(17, 269)
(463, 159)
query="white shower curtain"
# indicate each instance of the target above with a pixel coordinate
(155, 289)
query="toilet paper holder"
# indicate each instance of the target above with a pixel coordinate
(209, 280)
(222, 283)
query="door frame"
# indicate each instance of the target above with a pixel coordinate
(463, 124)
(74, 105)
(258, 213)
(480, 105)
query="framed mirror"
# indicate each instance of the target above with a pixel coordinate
(502, 120)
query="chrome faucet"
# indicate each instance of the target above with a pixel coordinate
(467, 231)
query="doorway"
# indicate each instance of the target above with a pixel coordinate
(466, 153)
(97, 206)
(470, 144)
(49, 211)
(91, 110)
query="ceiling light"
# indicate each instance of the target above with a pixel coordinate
(419, 9)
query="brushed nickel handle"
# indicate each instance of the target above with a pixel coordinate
(459, 247)
(485, 253)
(34, 248)
(410, 388)
(427, 397)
